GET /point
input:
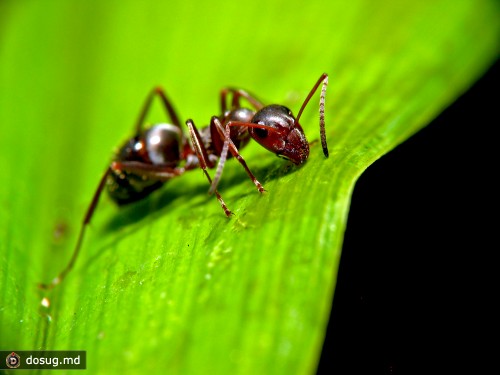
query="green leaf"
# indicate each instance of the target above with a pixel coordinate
(169, 284)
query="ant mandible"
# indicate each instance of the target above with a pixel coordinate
(161, 152)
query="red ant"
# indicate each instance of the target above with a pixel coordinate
(162, 152)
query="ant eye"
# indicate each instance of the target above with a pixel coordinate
(261, 133)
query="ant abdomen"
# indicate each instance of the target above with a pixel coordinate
(164, 144)
(160, 145)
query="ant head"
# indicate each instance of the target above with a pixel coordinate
(280, 133)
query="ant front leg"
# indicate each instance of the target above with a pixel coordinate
(147, 104)
(86, 222)
(235, 102)
(204, 160)
(229, 145)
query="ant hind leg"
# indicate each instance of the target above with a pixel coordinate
(86, 221)
(147, 104)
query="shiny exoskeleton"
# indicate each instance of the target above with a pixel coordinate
(158, 145)
(161, 152)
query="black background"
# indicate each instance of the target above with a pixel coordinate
(414, 268)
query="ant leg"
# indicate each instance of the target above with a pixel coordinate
(86, 221)
(323, 78)
(203, 159)
(168, 105)
(235, 103)
(163, 173)
(147, 104)
(157, 172)
(228, 144)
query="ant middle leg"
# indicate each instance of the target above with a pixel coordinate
(204, 160)
(235, 102)
(229, 145)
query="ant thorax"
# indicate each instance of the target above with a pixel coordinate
(239, 134)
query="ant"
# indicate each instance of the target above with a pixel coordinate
(162, 152)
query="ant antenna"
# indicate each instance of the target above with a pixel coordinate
(324, 79)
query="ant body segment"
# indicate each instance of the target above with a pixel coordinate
(162, 152)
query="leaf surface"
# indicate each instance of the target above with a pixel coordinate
(169, 284)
